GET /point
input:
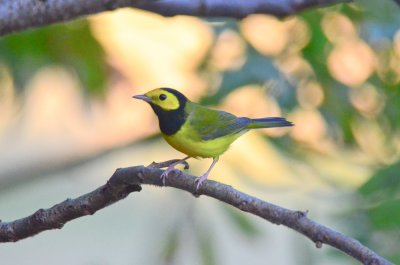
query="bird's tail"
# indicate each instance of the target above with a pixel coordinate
(269, 123)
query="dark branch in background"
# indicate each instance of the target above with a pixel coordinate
(127, 180)
(18, 15)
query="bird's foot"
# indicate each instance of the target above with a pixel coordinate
(166, 173)
(203, 177)
(169, 163)
(199, 181)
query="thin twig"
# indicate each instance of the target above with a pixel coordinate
(127, 180)
(17, 15)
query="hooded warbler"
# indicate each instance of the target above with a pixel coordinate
(198, 131)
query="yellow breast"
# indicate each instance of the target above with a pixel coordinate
(186, 140)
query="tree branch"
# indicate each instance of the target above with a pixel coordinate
(17, 15)
(127, 180)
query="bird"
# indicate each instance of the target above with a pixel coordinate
(199, 131)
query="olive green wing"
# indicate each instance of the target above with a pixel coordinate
(212, 124)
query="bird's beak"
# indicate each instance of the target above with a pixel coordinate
(142, 97)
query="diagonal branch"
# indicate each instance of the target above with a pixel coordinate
(17, 15)
(127, 180)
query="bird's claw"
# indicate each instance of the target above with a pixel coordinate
(166, 173)
(199, 181)
(169, 163)
(164, 176)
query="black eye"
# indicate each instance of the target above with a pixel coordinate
(162, 97)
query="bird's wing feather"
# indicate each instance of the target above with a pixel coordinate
(211, 124)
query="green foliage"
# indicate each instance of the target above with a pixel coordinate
(171, 246)
(395, 258)
(256, 70)
(242, 222)
(382, 194)
(336, 108)
(379, 13)
(383, 185)
(391, 112)
(69, 44)
(386, 215)
(376, 24)
(206, 246)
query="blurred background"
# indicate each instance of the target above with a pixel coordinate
(67, 121)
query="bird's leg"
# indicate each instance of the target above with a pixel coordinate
(171, 167)
(168, 163)
(203, 177)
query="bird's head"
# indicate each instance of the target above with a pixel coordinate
(167, 99)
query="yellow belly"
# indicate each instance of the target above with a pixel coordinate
(187, 142)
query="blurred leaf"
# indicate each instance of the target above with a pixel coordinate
(206, 245)
(242, 222)
(386, 215)
(336, 109)
(257, 69)
(383, 11)
(171, 245)
(353, 11)
(392, 104)
(315, 51)
(384, 184)
(395, 259)
(381, 193)
(69, 44)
